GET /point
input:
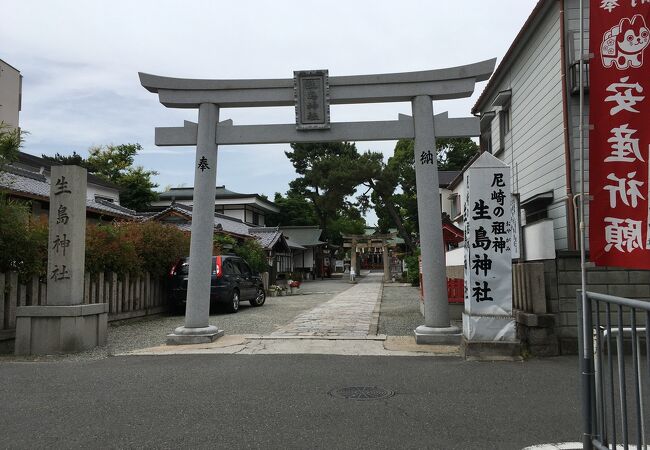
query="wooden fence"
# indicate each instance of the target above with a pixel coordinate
(132, 296)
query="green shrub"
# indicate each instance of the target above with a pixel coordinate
(134, 247)
(23, 240)
(222, 243)
(109, 249)
(254, 254)
(157, 245)
(250, 250)
(413, 269)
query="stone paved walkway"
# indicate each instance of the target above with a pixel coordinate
(352, 313)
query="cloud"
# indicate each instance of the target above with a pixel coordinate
(80, 61)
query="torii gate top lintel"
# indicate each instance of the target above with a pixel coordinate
(440, 84)
(453, 82)
(479, 71)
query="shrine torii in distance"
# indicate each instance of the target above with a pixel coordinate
(311, 93)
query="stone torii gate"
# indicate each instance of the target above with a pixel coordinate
(354, 241)
(311, 92)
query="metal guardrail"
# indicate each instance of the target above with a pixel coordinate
(614, 415)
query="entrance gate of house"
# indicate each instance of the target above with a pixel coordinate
(311, 92)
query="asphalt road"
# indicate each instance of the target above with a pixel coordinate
(282, 401)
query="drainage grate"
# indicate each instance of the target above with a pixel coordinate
(361, 393)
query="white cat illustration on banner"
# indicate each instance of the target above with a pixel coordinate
(625, 43)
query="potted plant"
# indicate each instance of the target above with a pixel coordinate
(294, 285)
(273, 290)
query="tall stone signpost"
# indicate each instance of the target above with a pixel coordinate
(488, 324)
(311, 93)
(64, 324)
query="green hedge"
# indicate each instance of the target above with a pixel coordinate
(124, 247)
(134, 247)
(23, 240)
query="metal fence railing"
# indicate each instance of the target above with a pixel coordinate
(615, 378)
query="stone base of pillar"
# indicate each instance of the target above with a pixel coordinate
(43, 330)
(434, 335)
(185, 336)
(490, 350)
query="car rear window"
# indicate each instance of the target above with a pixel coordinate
(244, 267)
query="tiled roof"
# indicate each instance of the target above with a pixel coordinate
(187, 193)
(32, 184)
(267, 236)
(308, 236)
(38, 162)
(294, 245)
(446, 176)
(227, 224)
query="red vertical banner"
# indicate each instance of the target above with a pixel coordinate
(619, 142)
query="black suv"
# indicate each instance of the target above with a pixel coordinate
(232, 281)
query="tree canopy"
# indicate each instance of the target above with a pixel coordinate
(454, 153)
(394, 189)
(329, 173)
(114, 163)
(295, 210)
(11, 139)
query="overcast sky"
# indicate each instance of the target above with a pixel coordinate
(80, 62)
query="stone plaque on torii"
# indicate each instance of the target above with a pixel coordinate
(418, 88)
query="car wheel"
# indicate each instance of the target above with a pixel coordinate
(260, 298)
(233, 306)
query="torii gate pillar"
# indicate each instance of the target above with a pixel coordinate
(197, 330)
(437, 328)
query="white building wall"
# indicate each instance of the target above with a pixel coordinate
(445, 201)
(102, 191)
(235, 213)
(534, 147)
(10, 94)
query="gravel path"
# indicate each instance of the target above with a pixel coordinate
(400, 310)
(399, 316)
(151, 331)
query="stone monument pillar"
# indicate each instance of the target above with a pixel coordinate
(437, 328)
(197, 329)
(384, 256)
(64, 324)
(488, 325)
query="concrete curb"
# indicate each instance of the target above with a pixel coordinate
(373, 329)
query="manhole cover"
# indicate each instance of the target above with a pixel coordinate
(361, 393)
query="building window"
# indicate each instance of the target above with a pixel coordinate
(502, 101)
(486, 141)
(536, 207)
(106, 199)
(504, 125)
(455, 206)
(256, 218)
